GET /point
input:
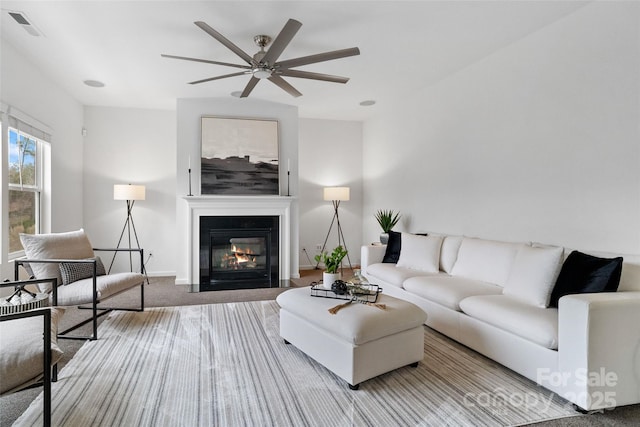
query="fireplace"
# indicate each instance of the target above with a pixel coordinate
(193, 208)
(239, 252)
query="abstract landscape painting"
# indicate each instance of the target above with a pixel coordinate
(239, 156)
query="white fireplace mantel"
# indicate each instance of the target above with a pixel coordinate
(198, 206)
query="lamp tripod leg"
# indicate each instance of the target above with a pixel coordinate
(124, 228)
(135, 234)
(341, 240)
(324, 245)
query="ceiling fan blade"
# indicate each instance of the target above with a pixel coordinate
(313, 76)
(312, 59)
(222, 39)
(280, 82)
(282, 41)
(206, 61)
(249, 87)
(218, 78)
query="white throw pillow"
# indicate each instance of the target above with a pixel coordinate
(534, 274)
(485, 260)
(420, 252)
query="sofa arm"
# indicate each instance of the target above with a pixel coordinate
(599, 349)
(371, 254)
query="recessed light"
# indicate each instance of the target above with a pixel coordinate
(236, 93)
(94, 83)
(367, 103)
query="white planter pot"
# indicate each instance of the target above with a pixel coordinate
(329, 278)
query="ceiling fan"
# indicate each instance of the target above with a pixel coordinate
(265, 64)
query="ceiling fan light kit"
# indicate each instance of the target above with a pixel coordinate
(265, 65)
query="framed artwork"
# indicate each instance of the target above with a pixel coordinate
(239, 156)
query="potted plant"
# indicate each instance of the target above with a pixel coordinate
(387, 220)
(331, 264)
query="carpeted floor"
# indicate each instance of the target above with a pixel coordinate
(226, 365)
(163, 293)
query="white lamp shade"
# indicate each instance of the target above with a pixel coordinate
(336, 193)
(128, 192)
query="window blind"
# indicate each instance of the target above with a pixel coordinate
(26, 124)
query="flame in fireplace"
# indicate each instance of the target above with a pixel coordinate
(244, 256)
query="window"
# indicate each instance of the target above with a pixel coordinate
(25, 186)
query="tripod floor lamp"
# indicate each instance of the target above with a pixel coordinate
(130, 193)
(336, 195)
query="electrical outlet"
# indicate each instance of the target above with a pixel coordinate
(318, 247)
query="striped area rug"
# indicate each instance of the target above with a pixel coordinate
(225, 365)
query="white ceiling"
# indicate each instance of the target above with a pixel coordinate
(404, 45)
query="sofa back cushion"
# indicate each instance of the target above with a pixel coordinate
(533, 274)
(420, 253)
(485, 260)
(449, 252)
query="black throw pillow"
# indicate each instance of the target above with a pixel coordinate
(392, 254)
(582, 273)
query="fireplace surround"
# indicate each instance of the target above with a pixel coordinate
(196, 207)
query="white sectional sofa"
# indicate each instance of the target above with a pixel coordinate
(496, 298)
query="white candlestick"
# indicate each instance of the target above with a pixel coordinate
(189, 162)
(288, 165)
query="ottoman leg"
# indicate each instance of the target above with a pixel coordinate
(354, 387)
(414, 365)
(286, 342)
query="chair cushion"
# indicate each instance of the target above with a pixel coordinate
(23, 350)
(69, 245)
(533, 274)
(390, 274)
(449, 290)
(81, 291)
(538, 325)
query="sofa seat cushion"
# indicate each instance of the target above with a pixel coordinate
(449, 290)
(80, 292)
(536, 324)
(389, 273)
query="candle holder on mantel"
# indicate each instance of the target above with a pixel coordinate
(189, 183)
(288, 177)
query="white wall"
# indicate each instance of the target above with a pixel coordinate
(330, 156)
(25, 87)
(189, 113)
(131, 146)
(537, 142)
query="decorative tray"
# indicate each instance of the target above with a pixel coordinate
(363, 293)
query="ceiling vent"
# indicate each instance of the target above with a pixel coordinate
(24, 23)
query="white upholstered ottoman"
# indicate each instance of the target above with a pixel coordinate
(357, 343)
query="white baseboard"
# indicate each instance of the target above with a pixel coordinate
(161, 273)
